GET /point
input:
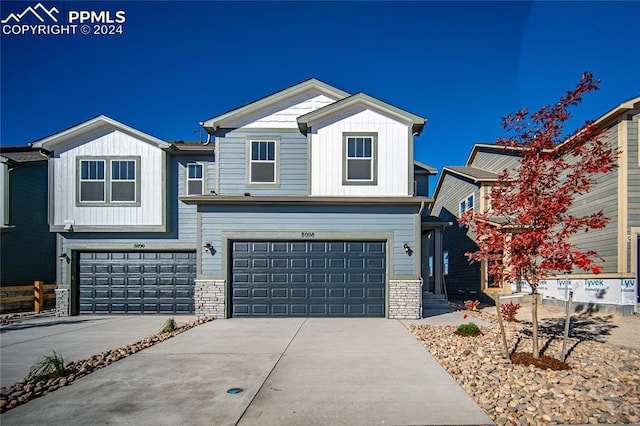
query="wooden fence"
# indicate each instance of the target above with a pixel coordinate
(38, 297)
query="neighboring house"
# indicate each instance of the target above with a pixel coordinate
(464, 188)
(309, 203)
(27, 249)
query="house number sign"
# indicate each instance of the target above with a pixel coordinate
(307, 234)
(139, 245)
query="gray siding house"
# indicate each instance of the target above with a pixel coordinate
(618, 193)
(307, 203)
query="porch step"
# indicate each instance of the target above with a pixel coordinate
(434, 304)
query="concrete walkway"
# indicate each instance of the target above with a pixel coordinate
(292, 371)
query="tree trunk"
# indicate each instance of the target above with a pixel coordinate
(534, 324)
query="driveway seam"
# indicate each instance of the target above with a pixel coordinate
(271, 372)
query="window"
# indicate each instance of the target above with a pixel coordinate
(445, 263)
(92, 181)
(430, 266)
(262, 168)
(195, 179)
(108, 181)
(123, 181)
(466, 205)
(360, 159)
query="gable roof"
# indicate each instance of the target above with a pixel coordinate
(215, 124)
(369, 102)
(50, 142)
(430, 170)
(489, 146)
(473, 173)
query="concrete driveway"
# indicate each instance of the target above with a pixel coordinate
(292, 371)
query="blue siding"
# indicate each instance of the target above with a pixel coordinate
(293, 164)
(291, 221)
(187, 214)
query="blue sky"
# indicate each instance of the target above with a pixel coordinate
(462, 65)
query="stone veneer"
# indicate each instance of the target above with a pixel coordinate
(62, 302)
(405, 299)
(209, 298)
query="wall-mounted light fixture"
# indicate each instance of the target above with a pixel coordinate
(63, 257)
(209, 249)
(407, 249)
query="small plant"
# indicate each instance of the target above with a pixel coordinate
(469, 329)
(168, 326)
(509, 311)
(48, 365)
(471, 305)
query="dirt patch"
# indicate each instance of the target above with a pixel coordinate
(543, 361)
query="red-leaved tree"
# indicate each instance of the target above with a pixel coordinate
(526, 233)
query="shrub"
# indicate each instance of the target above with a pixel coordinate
(48, 365)
(471, 305)
(168, 326)
(468, 329)
(509, 311)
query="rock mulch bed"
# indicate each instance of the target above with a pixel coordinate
(602, 386)
(26, 390)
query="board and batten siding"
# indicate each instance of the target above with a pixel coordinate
(326, 223)
(284, 114)
(109, 144)
(392, 154)
(292, 164)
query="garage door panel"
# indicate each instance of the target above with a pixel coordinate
(299, 293)
(298, 279)
(307, 278)
(299, 310)
(137, 282)
(318, 293)
(279, 293)
(356, 293)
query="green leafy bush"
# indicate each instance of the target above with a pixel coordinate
(468, 329)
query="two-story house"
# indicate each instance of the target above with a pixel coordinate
(468, 187)
(304, 204)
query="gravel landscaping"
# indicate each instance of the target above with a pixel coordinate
(26, 390)
(601, 386)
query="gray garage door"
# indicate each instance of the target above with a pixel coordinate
(136, 282)
(319, 278)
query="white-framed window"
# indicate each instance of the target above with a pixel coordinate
(108, 181)
(123, 181)
(359, 158)
(195, 179)
(466, 205)
(92, 181)
(263, 162)
(445, 263)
